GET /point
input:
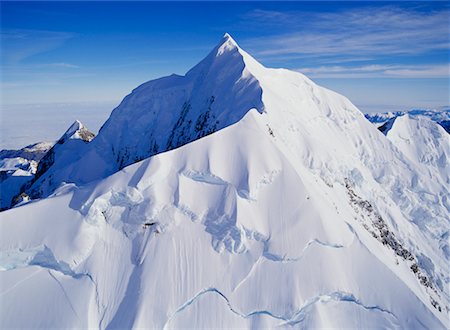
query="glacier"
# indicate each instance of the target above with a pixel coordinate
(236, 196)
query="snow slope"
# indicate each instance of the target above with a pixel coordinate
(422, 141)
(296, 211)
(427, 147)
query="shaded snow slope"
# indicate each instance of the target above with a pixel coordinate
(296, 211)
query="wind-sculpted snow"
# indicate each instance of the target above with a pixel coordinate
(295, 212)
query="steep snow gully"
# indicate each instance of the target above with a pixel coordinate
(236, 196)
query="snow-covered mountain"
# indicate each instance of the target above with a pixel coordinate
(17, 168)
(440, 116)
(68, 148)
(234, 196)
(32, 152)
(22, 169)
(424, 142)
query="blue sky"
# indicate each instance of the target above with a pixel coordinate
(379, 54)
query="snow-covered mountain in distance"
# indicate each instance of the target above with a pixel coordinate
(280, 205)
(34, 151)
(17, 168)
(422, 141)
(440, 115)
(22, 169)
(72, 144)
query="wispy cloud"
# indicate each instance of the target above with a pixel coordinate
(19, 44)
(379, 71)
(18, 67)
(358, 32)
(62, 65)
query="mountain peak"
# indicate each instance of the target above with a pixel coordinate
(227, 38)
(227, 53)
(77, 131)
(76, 125)
(226, 44)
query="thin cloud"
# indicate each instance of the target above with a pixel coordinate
(438, 71)
(19, 85)
(62, 65)
(379, 71)
(20, 44)
(357, 32)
